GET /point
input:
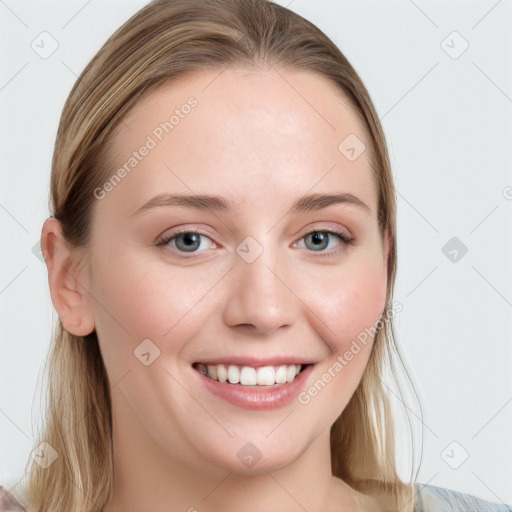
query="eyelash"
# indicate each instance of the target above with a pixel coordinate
(342, 235)
(345, 239)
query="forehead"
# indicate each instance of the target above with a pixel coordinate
(243, 133)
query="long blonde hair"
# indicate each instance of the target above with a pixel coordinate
(162, 42)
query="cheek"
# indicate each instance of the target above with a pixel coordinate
(347, 309)
(136, 300)
(352, 304)
(350, 300)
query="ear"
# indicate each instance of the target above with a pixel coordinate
(65, 274)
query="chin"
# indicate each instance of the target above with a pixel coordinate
(252, 460)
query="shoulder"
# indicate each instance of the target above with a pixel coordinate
(438, 499)
(8, 503)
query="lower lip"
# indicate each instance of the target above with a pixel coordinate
(257, 398)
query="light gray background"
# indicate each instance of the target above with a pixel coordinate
(448, 125)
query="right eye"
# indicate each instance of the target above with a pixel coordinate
(186, 241)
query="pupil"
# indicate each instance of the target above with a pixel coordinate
(320, 240)
(188, 241)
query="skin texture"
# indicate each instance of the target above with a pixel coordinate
(262, 139)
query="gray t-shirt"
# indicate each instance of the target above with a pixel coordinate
(438, 499)
(429, 499)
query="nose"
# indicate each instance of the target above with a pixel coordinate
(260, 299)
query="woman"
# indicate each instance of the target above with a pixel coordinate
(222, 255)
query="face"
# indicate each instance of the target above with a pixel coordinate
(275, 269)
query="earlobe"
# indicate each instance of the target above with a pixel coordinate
(68, 292)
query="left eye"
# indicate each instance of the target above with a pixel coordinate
(322, 240)
(188, 241)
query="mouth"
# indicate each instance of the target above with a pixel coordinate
(251, 376)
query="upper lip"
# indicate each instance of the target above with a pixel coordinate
(255, 361)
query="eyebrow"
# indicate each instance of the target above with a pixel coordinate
(318, 201)
(200, 202)
(306, 203)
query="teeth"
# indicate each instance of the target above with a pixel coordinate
(249, 376)
(233, 374)
(212, 371)
(281, 375)
(266, 376)
(222, 373)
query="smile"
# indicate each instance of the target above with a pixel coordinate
(251, 376)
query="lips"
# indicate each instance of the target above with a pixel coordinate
(253, 385)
